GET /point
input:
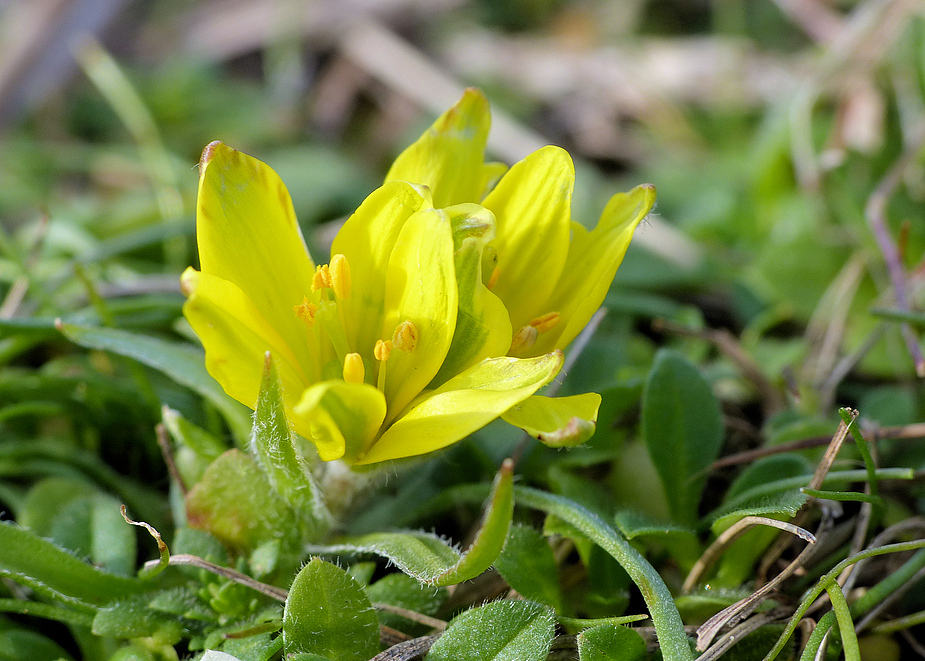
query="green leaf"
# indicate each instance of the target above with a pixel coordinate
(327, 613)
(397, 589)
(287, 471)
(134, 618)
(498, 631)
(680, 540)
(609, 642)
(261, 647)
(528, 565)
(216, 655)
(183, 363)
(668, 625)
(683, 430)
(844, 496)
(428, 558)
(782, 504)
(192, 438)
(419, 554)
(23, 645)
(88, 523)
(24, 554)
(608, 593)
(761, 494)
(766, 470)
(235, 503)
(634, 524)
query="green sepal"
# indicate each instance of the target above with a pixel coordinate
(288, 472)
(235, 502)
(431, 560)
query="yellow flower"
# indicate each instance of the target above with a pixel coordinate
(550, 273)
(364, 345)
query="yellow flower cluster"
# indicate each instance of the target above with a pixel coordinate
(447, 301)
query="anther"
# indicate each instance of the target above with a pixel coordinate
(322, 278)
(405, 337)
(382, 350)
(339, 275)
(545, 322)
(524, 339)
(306, 311)
(494, 277)
(354, 371)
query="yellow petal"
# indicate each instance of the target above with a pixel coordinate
(449, 157)
(236, 337)
(557, 421)
(248, 235)
(463, 405)
(483, 327)
(420, 288)
(491, 175)
(532, 207)
(366, 240)
(340, 418)
(593, 259)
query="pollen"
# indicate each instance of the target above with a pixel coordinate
(306, 311)
(354, 370)
(524, 339)
(545, 322)
(405, 337)
(383, 350)
(339, 274)
(322, 278)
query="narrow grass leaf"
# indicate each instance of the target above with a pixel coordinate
(849, 638)
(24, 553)
(665, 617)
(183, 363)
(849, 417)
(844, 496)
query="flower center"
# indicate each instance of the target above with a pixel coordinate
(330, 284)
(526, 337)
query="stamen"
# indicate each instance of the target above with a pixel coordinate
(339, 273)
(405, 337)
(322, 278)
(545, 322)
(306, 311)
(524, 339)
(383, 350)
(494, 277)
(354, 370)
(330, 321)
